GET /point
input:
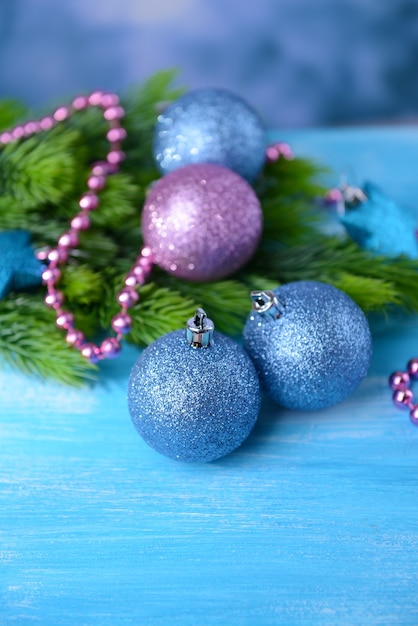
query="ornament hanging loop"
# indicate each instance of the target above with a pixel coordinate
(199, 330)
(266, 303)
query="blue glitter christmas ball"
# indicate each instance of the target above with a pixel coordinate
(193, 404)
(316, 352)
(210, 126)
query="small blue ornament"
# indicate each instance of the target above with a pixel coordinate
(210, 126)
(378, 224)
(19, 269)
(310, 344)
(194, 397)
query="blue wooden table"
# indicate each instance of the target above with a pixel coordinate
(314, 520)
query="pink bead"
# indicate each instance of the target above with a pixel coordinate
(145, 263)
(64, 320)
(285, 151)
(42, 254)
(139, 274)
(145, 266)
(110, 348)
(402, 398)
(6, 137)
(277, 150)
(54, 299)
(81, 221)
(95, 98)
(122, 323)
(30, 128)
(100, 169)
(333, 196)
(109, 100)
(96, 182)
(68, 239)
(146, 252)
(116, 134)
(413, 415)
(113, 113)
(61, 114)
(413, 368)
(74, 337)
(47, 122)
(103, 168)
(89, 202)
(80, 102)
(114, 157)
(399, 380)
(57, 255)
(18, 132)
(131, 280)
(51, 275)
(127, 297)
(90, 352)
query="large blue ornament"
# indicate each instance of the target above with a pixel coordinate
(310, 343)
(191, 397)
(210, 126)
(19, 268)
(380, 225)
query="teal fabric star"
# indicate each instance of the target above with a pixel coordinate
(19, 268)
(381, 226)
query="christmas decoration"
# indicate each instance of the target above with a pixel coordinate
(193, 397)
(202, 222)
(81, 221)
(310, 343)
(377, 223)
(400, 383)
(210, 126)
(42, 178)
(20, 268)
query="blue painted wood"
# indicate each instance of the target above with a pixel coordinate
(312, 521)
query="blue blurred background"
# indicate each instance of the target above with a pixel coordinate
(299, 62)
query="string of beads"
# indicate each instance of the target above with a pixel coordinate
(403, 397)
(58, 255)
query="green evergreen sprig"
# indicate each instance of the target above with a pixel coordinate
(41, 180)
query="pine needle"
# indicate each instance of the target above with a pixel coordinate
(30, 342)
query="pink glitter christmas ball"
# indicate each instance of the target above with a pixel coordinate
(202, 222)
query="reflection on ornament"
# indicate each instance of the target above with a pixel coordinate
(202, 222)
(210, 126)
(310, 343)
(20, 269)
(193, 397)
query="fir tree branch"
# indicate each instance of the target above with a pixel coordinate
(39, 171)
(30, 342)
(160, 311)
(11, 111)
(375, 283)
(287, 189)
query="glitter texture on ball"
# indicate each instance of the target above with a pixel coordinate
(202, 222)
(193, 404)
(210, 126)
(316, 353)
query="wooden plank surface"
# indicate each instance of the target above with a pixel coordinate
(313, 521)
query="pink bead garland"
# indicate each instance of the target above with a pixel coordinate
(403, 397)
(89, 201)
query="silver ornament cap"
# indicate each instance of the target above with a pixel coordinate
(199, 330)
(267, 304)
